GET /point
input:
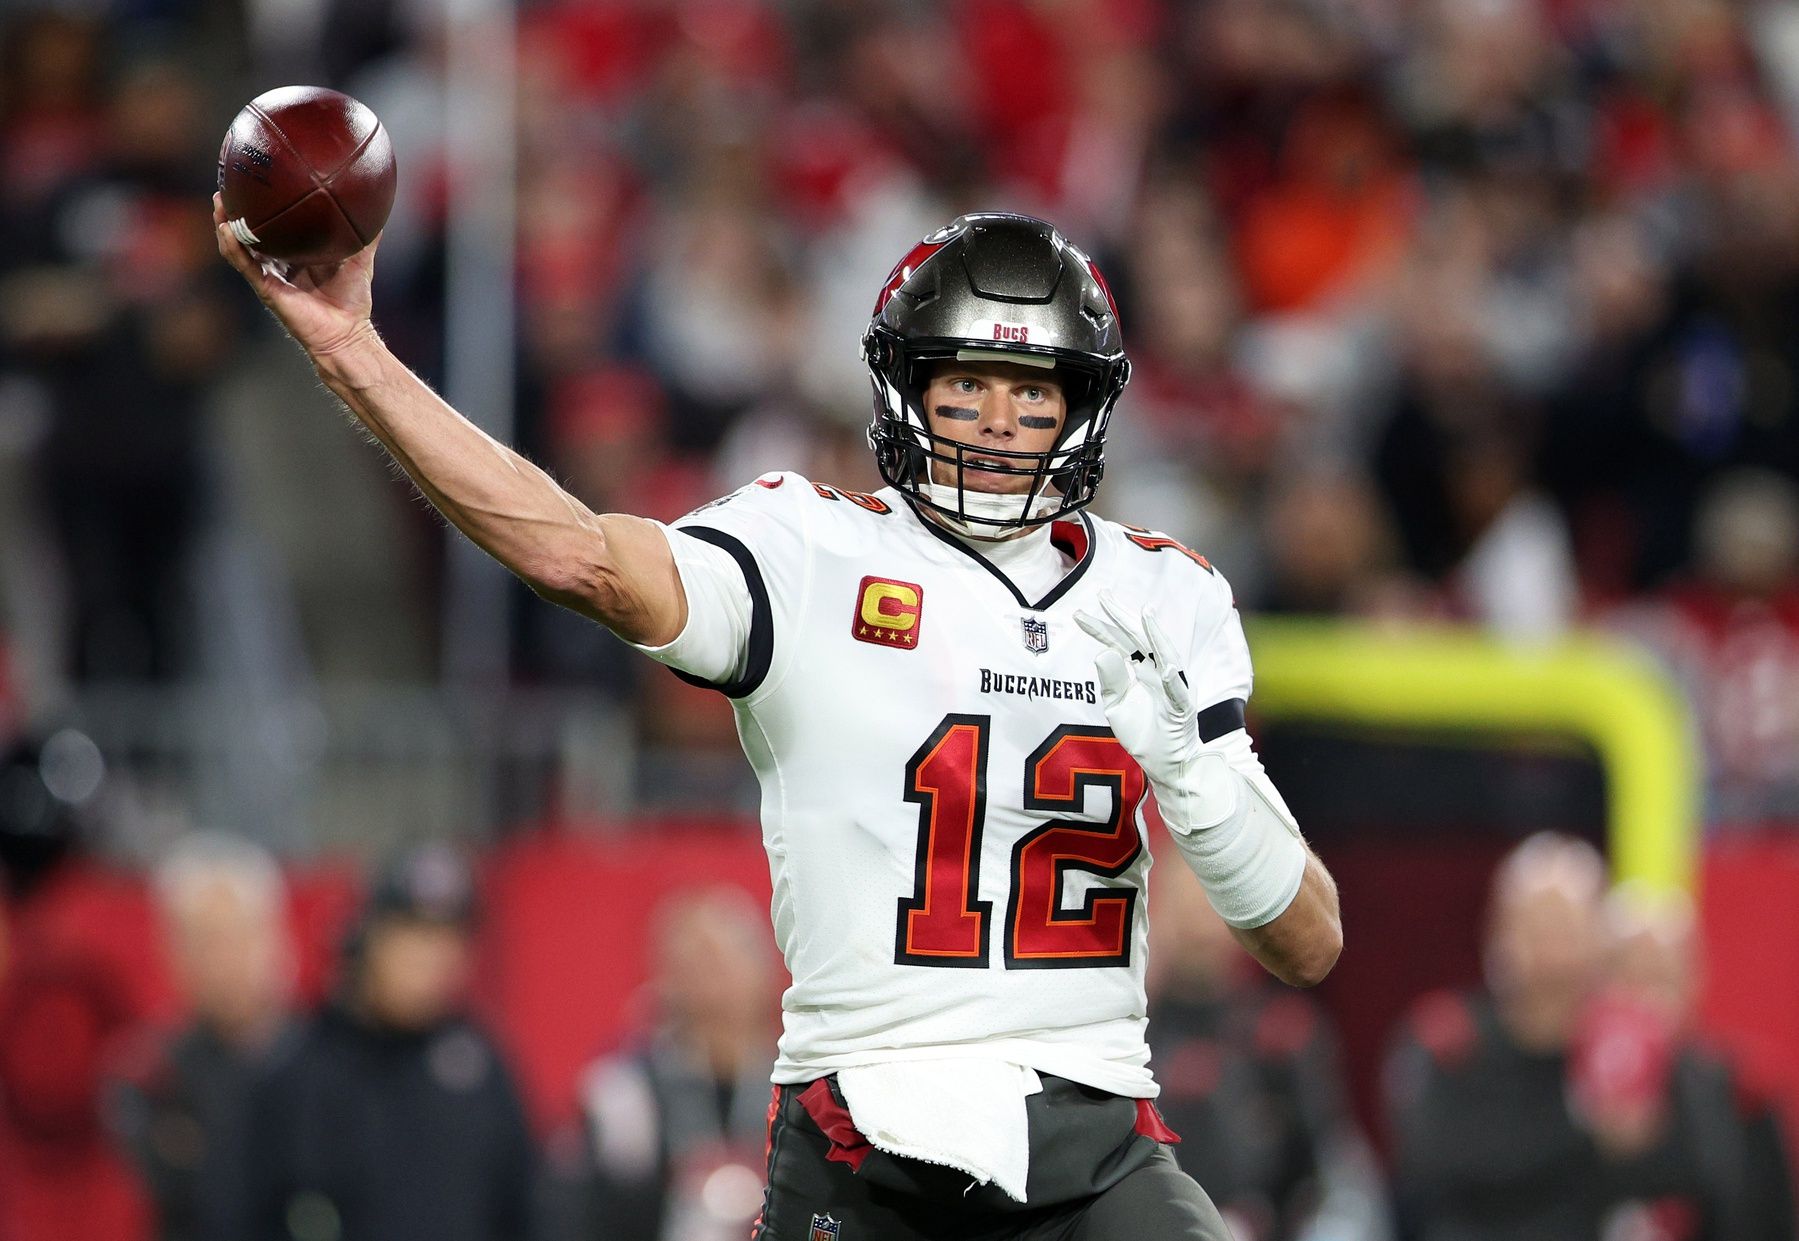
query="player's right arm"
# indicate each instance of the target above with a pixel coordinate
(616, 569)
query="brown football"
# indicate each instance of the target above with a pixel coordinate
(307, 175)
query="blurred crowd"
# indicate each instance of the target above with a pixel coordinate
(1568, 1098)
(1441, 309)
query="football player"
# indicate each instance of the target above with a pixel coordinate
(957, 693)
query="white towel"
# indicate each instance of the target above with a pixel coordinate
(966, 1114)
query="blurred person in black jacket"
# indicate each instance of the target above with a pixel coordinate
(122, 463)
(182, 1102)
(393, 1117)
(1543, 1110)
(116, 324)
(1251, 1081)
(676, 1126)
(1748, 1169)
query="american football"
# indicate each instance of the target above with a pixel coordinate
(307, 175)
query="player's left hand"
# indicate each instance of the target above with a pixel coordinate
(1143, 689)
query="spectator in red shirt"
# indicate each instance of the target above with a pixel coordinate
(1731, 634)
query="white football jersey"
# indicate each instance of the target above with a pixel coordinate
(954, 835)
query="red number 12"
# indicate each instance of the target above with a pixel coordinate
(942, 924)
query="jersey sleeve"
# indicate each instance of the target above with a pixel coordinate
(742, 561)
(714, 646)
(1218, 672)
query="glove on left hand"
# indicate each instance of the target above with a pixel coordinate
(1149, 705)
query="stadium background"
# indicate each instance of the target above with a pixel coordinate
(1450, 317)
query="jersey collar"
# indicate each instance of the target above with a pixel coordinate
(1073, 535)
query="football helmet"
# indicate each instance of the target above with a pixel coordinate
(994, 287)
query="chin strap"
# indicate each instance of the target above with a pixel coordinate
(986, 504)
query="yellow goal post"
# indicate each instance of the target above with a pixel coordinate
(1589, 686)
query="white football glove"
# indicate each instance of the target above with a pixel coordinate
(1143, 689)
(1233, 829)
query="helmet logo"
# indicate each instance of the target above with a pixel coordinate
(994, 329)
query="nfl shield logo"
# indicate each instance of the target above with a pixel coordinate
(1036, 635)
(824, 1228)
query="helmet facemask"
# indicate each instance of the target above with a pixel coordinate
(1063, 478)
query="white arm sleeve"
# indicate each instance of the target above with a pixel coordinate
(1251, 860)
(1240, 752)
(714, 644)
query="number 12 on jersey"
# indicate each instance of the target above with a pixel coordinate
(942, 924)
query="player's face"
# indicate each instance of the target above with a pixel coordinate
(1001, 405)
